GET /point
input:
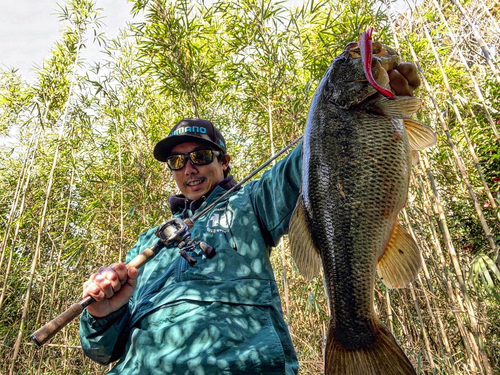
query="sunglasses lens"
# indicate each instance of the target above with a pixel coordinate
(176, 162)
(198, 157)
(201, 157)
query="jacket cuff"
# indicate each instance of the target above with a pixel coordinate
(99, 336)
(99, 323)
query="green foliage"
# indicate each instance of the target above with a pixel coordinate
(485, 276)
(80, 172)
(14, 96)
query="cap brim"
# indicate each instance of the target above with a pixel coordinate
(163, 148)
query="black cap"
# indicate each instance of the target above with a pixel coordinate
(189, 130)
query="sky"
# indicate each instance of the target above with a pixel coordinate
(29, 28)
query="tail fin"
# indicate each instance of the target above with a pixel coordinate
(382, 357)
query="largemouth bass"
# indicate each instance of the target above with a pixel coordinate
(356, 167)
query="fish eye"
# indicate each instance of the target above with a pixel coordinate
(377, 48)
(354, 50)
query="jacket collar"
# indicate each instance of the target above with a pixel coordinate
(180, 204)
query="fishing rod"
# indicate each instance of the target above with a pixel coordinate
(265, 164)
(173, 230)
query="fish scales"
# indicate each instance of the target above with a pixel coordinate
(352, 202)
(356, 168)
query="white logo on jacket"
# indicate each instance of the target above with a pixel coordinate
(220, 220)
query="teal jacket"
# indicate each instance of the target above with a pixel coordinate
(221, 316)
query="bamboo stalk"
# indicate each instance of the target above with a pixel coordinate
(407, 317)
(464, 131)
(45, 281)
(13, 208)
(442, 337)
(34, 260)
(444, 229)
(26, 176)
(490, 16)
(458, 159)
(451, 293)
(453, 255)
(120, 169)
(433, 311)
(465, 335)
(58, 262)
(41, 226)
(23, 174)
(423, 328)
(61, 246)
(476, 86)
(479, 169)
(389, 311)
(479, 39)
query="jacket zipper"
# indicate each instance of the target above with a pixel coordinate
(181, 267)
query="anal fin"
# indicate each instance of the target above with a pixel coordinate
(304, 252)
(401, 260)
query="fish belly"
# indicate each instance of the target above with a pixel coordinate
(356, 181)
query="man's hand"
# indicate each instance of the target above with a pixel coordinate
(404, 79)
(111, 287)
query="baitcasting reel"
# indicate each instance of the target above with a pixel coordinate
(176, 230)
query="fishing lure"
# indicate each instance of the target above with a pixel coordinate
(365, 46)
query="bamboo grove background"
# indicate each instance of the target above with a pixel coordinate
(79, 183)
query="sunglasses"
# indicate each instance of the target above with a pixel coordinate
(197, 157)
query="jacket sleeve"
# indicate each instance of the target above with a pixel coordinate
(275, 194)
(100, 337)
(103, 339)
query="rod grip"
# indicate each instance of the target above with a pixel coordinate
(45, 333)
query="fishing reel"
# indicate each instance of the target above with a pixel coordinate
(176, 230)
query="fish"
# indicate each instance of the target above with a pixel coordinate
(356, 164)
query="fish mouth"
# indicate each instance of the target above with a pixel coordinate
(385, 58)
(381, 64)
(385, 55)
(348, 78)
(379, 73)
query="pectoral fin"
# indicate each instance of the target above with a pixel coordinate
(304, 252)
(398, 106)
(419, 135)
(401, 261)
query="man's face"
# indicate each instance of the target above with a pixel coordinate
(195, 181)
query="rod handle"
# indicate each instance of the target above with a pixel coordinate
(45, 333)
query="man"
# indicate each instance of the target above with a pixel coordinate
(223, 315)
